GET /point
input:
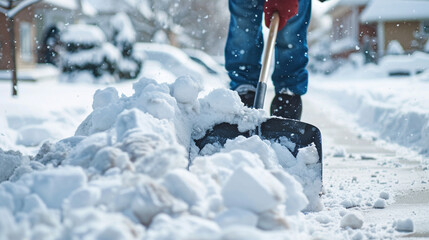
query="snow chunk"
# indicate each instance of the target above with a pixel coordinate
(384, 195)
(404, 225)
(163, 159)
(223, 101)
(253, 189)
(95, 224)
(184, 227)
(152, 199)
(83, 197)
(9, 161)
(236, 216)
(155, 99)
(296, 200)
(33, 202)
(146, 123)
(55, 185)
(352, 220)
(254, 144)
(185, 89)
(84, 152)
(380, 203)
(105, 97)
(110, 157)
(272, 220)
(349, 203)
(9, 229)
(221, 166)
(308, 155)
(185, 185)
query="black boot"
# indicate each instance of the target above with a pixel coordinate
(287, 106)
(247, 94)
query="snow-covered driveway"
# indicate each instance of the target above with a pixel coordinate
(125, 161)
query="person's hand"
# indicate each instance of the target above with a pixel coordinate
(285, 8)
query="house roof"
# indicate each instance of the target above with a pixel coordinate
(340, 5)
(394, 10)
(352, 2)
(66, 4)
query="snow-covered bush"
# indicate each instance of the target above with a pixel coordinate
(88, 57)
(124, 37)
(395, 48)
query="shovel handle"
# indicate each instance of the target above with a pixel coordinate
(266, 62)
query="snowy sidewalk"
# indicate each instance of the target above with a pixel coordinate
(363, 175)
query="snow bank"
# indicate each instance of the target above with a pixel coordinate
(394, 110)
(127, 165)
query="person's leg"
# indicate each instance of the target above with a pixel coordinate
(290, 77)
(291, 53)
(245, 43)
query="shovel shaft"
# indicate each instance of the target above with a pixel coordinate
(266, 62)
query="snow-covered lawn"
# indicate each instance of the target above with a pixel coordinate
(112, 162)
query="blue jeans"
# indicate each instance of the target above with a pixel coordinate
(245, 43)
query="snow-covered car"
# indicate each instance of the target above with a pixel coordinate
(206, 61)
(172, 59)
(167, 63)
(88, 57)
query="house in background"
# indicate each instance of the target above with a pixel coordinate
(31, 27)
(370, 25)
(407, 22)
(348, 34)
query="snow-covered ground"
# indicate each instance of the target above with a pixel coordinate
(82, 163)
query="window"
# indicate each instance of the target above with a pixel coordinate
(26, 52)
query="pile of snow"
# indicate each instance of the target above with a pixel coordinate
(124, 173)
(390, 65)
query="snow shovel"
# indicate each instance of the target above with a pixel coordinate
(298, 134)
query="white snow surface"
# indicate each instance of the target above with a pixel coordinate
(129, 159)
(95, 162)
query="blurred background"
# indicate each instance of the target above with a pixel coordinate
(106, 40)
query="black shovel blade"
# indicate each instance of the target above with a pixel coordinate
(297, 134)
(219, 134)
